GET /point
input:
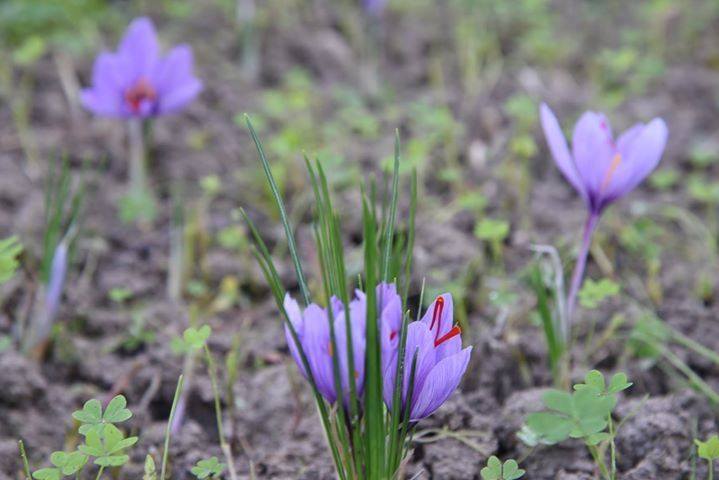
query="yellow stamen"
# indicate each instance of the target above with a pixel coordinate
(610, 171)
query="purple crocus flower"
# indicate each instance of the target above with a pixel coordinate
(441, 361)
(313, 331)
(137, 82)
(601, 169)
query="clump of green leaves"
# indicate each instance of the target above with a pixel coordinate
(104, 442)
(209, 468)
(584, 414)
(10, 249)
(709, 451)
(593, 293)
(495, 470)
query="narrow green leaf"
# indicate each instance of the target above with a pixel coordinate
(373, 375)
(283, 214)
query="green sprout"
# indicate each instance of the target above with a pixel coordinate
(233, 238)
(120, 294)
(496, 471)
(709, 451)
(664, 179)
(10, 249)
(150, 470)
(594, 293)
(494, 232)
(209, 468)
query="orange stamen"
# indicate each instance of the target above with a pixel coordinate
(611, 170)
(456, 330)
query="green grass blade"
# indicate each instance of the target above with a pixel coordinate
(554, 342)
(410, 238)
(389, 224)
(283, 214)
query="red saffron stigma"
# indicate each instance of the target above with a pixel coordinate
(392, 335)
(449, 335)
(135, 95)
(438, 307)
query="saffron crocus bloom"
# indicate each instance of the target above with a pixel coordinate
(137, 82)
(440, 364)
(601, 169)
(313, 331)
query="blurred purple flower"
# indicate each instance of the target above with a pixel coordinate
(313, 331)
(601, 169)
(136, 81)
(441, 361)
(374, 7)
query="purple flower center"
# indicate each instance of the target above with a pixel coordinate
(140, 93)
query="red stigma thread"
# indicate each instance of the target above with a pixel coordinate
(135, 95)
(449, 335)
(392, 335)
(438, 308)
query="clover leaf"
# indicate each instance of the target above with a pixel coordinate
(107, 446)
(593, 293)
(92, 417)
(492, 230)
(496, 471)
(708, 450)
(64, 464)
(210, 467)
(47, 474)
(196, 338)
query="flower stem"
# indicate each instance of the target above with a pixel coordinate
(99, 473)
(138, 173)
(579, 267)
(166, 449)
(226, 450)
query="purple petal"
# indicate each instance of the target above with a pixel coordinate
(358, 315)
(626, 138)
(316, 344)
(593, 150)
(100, 103)
(558, 146)
(640, 155)
(140, 46)
(442, 380)
(177, 98)
(294, 315)
(421, 341)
